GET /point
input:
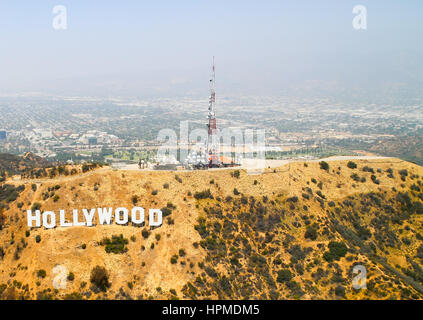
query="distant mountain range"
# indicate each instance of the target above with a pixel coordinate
(409, 148)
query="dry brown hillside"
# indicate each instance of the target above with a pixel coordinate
(294, 232)
(13, 164)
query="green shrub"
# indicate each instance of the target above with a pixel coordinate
(134, 200)
(368, 169)
(336, 251)
(36, 206)
(174, 259)
(115, 245)
(73, 296)
(71, 276)
(201, 228)
(205, 194)
(145, 233)
(100, 278)
(320, 194)
(351, 165)
(340, 291)
(403, 173)
(375, 181)
(284, 276)
(311, 233)
(324, 165)
(41, 273)
(355, 177)
(166, 211)
(292, 199)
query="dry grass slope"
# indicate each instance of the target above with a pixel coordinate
(293, 232)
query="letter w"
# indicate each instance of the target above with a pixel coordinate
(105, 215)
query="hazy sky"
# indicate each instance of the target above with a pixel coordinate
(166, 47)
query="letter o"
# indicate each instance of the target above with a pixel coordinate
(118, 212)
(46, 223)
(134, 218)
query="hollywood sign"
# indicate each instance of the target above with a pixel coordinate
(104, 216)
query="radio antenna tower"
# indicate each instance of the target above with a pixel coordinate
(212, 127)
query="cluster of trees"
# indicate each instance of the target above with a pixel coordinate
(337, 250)
(10, 193)
(100, 278)
(205, 194)
(117, 244)
(167, 211)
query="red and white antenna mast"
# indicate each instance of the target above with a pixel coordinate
(212, 127)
